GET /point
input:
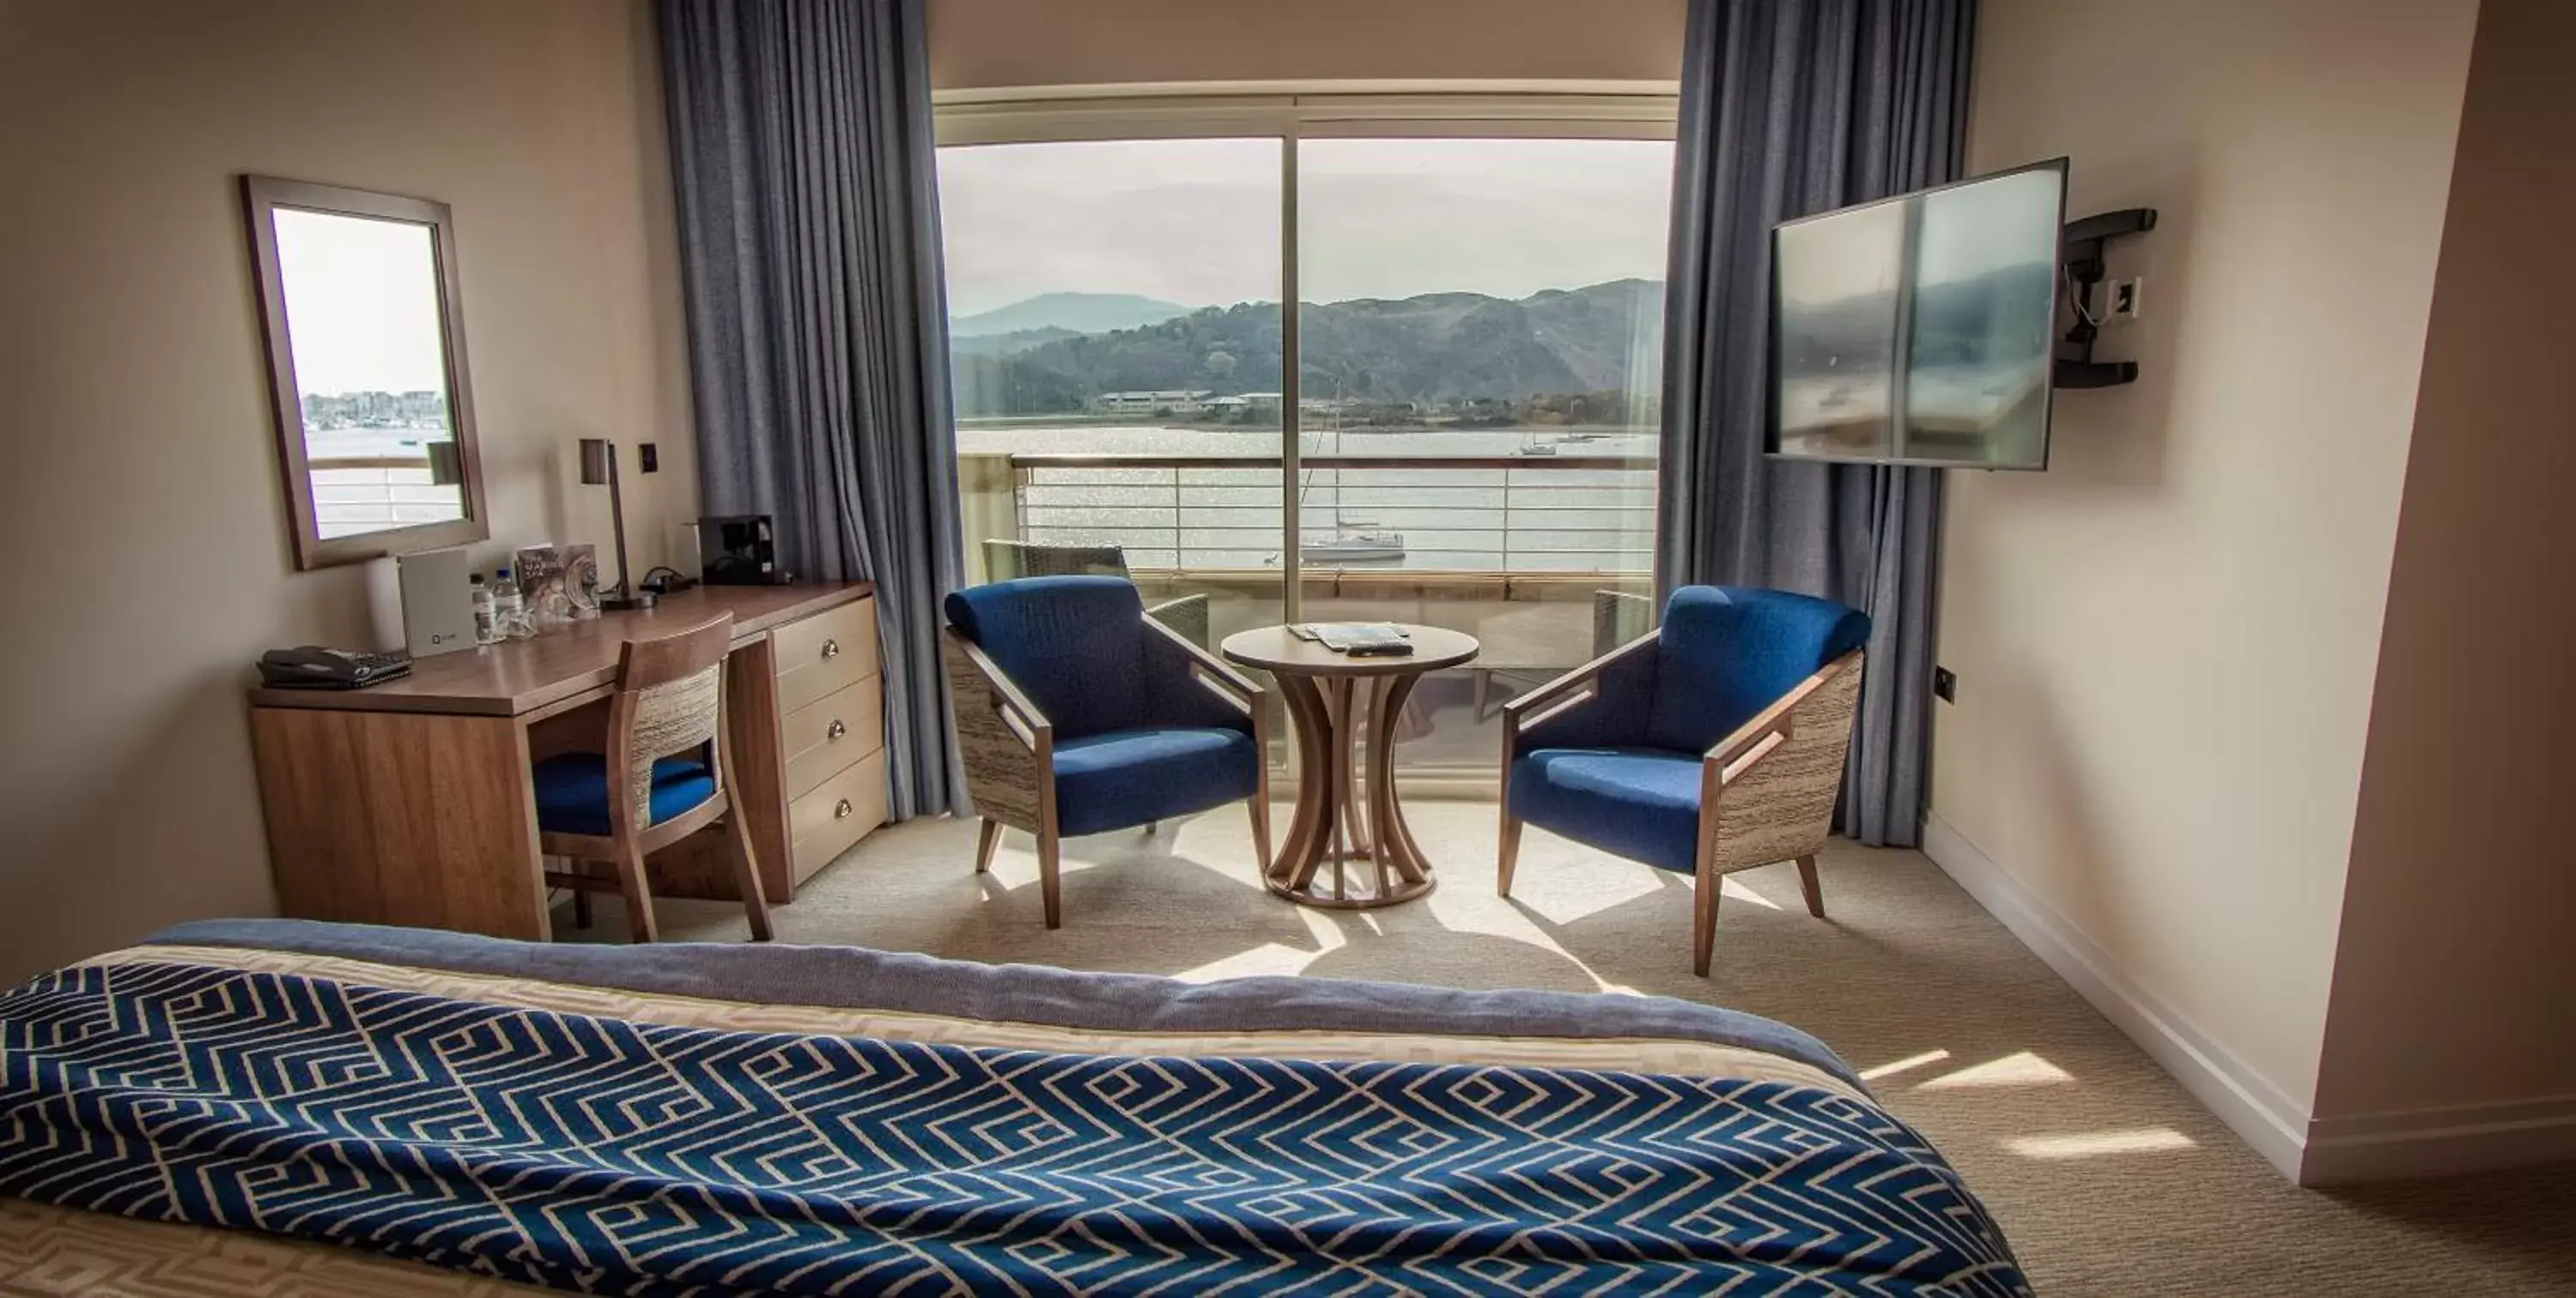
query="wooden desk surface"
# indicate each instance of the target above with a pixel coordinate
(521, 676)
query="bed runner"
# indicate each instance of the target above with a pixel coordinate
(610, 1156)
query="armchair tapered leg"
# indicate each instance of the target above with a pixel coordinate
(1260, 805)
(985, 841)
(639, 897)
(1808, 884)
(1507, 853)
(1704, 896)
(1048, 882)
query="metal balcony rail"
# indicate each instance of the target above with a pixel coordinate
(1496, 514)
(368, 493)
(1443, 513)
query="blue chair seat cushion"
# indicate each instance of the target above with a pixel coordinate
(1640, 803)
(1129, 777)
(572, 791)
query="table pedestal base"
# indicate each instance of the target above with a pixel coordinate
(1348, 847)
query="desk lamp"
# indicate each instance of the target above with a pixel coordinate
(599, 468)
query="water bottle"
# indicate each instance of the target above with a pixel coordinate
(509, 613)
(485, 632)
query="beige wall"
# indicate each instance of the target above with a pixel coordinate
(2167, 643)
(140, 499)
(999, 43)
(2456, 981)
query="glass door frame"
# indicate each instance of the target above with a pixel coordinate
(1289, 113)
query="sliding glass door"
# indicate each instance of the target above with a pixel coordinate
(1320, 359)
(1114, 327)
(1481, 329)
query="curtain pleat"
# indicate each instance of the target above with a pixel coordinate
(806, 177)
(1790, 107)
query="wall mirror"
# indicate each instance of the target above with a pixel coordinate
(366, 353)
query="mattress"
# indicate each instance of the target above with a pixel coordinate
(274, 1107)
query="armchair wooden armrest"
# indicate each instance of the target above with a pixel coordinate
(1774, 725)
(1219, 676)
(1564, 694)
(1007, 744)
(1575, 689)
(1221, 679)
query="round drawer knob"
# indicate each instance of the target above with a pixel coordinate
(835, 730)
(841, 810)
(831, 648)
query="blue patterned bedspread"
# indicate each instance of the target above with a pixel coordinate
(612, 1156)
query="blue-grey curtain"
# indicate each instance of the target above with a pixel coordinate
(809, 256)
(1790, 107)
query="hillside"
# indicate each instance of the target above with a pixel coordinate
(1436, 348)
(1081, 313)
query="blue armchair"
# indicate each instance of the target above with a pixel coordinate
(1713, 745)
(1077, 714)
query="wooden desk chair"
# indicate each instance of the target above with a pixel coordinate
(669, 751)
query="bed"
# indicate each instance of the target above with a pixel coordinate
(271, 1107)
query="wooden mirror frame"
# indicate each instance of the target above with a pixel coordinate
(261, 197)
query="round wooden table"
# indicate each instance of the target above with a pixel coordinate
(1345, 711)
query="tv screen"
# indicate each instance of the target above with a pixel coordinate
(1919, 329)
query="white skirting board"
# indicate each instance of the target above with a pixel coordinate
(2255, 1109)
(2381, 1146)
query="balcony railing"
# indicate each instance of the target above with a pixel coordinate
(1564, 514)
(369, 493)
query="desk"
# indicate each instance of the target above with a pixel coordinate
(411, 802)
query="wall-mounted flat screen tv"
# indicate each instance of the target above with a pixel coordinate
(1919, 329)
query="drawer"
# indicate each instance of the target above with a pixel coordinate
(822, 829)
(825, 652)
(824, 737)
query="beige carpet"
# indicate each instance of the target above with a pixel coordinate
(2107, 1178)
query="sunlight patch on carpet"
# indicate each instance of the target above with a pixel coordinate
(2023, 1069)
(1903, 1065)
(2096, 1144)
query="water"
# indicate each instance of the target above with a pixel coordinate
(370, 443)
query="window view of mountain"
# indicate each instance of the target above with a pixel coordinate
(1560, 355)
(1067, 313)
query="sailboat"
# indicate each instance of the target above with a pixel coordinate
(1351, 541)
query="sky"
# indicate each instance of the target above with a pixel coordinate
(1197, 221)
(361, 303)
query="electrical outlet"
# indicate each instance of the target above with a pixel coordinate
(1945, 685)
(651, 456)
(2124, 298)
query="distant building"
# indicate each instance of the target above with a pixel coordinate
(1178, 401)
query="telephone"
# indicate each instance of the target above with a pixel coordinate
(313, 667)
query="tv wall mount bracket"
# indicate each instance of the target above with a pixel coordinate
(2080, 253)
